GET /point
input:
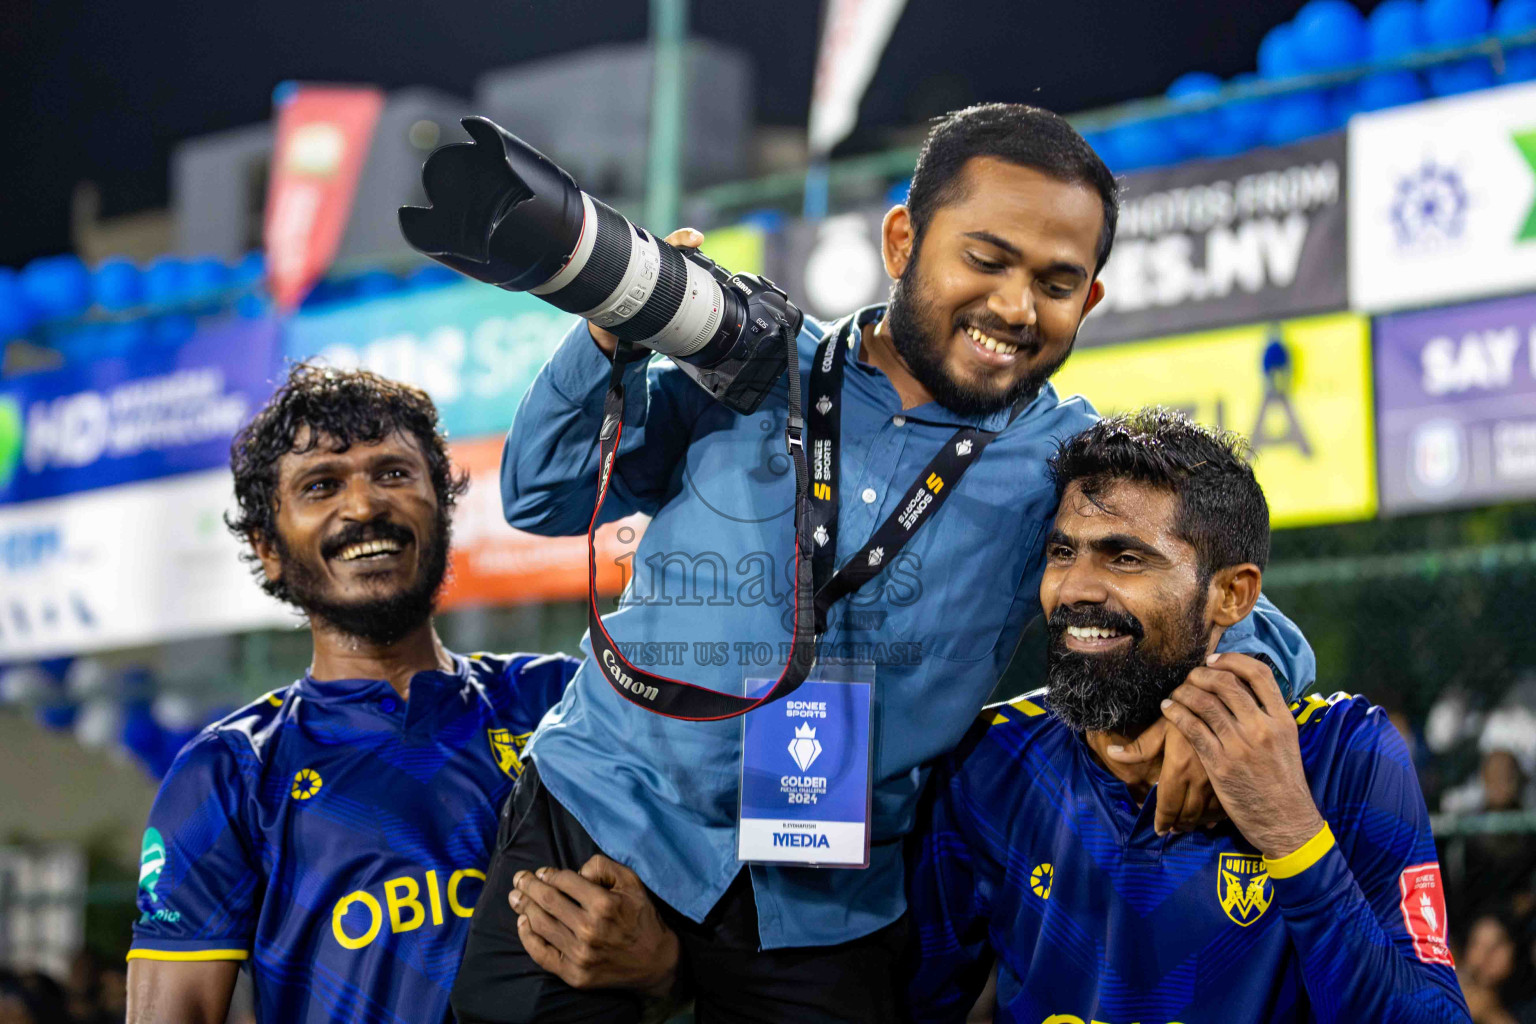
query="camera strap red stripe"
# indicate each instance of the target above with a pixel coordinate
(676, 698)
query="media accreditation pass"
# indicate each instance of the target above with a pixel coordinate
(807, 772)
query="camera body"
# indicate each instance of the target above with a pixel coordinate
(504, 213)
(744, 375)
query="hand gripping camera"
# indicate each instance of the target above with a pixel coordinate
(504, 213)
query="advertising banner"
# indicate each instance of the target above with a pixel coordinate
(323, 134)
(1443, 200)
(160, 411)
(125, 566)
(1300, 391)
(493, 564)
(1456, 404)
(831, 267)
(853, 36)
(1254, 237)
(473, 348)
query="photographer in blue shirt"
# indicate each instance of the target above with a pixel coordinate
(995, 259)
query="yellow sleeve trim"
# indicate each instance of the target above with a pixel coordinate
(1028, 707)
(1297, 861)
(189, 954)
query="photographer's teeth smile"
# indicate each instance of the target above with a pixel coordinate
(368, 549)
(990, 349)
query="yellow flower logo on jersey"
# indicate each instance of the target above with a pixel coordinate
(306, 784)
(1040, 880)
(508, 750)
(1243, 887)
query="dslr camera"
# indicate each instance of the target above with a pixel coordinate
(504, 213)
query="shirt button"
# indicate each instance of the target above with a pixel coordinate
(387, 705)
(898, 421)
(869, 495)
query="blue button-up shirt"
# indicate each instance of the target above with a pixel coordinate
(710, 600)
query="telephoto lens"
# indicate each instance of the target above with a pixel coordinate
(504, 213)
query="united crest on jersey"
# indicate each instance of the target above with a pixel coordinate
(1243, 887)
(508, 750)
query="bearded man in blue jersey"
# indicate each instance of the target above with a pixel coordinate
(333, 835)
(1319, 900)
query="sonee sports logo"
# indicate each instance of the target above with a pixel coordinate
(1423, 907)
(805, 748)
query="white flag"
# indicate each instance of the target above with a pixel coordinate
(854, 35)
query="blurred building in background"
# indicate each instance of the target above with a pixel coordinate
(1334, 254)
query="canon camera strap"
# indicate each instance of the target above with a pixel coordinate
(816, 504)
(676, 698)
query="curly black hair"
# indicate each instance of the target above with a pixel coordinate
(343, 408)
(1222, 512)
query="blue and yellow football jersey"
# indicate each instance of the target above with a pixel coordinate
(1034, 852)
(336, 837)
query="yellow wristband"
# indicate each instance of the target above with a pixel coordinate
(1297, 861)
(188, 954)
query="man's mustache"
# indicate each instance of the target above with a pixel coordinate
(359, 533)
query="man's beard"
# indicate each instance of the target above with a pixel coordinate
(1120, 692)
(378, 620)
(910, 312)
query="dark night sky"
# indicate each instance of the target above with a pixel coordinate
(101, 91)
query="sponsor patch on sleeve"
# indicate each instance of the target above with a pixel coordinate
(1423, 906)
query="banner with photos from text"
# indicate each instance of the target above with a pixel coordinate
(1216, 242)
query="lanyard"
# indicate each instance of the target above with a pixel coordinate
(817, 587)
(921, 502)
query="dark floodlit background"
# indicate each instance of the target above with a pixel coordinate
(1329, 244)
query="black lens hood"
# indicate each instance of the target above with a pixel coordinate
(501, 211)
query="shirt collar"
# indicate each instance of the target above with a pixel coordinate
(428, 685)
(931, 412)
